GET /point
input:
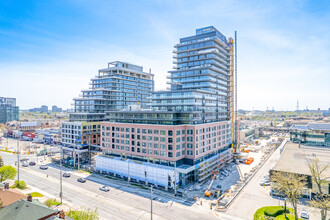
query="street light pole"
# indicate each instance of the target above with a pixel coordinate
(18, 160)
(61, 156)
(151, 202)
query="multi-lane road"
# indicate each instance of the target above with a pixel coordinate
(121, 202)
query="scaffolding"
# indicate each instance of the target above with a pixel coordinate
(145, 172)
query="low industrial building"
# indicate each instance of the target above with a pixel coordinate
(312, 134)
(294, 160)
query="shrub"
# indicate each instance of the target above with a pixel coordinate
(51, 202)
(274, 211)
(269, 212)
(35, 194)
(84, 214)
(19, 185)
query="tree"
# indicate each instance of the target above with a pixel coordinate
(7, 172)
(290, 185)
(321, 200)
(84, 214)
(1, 162)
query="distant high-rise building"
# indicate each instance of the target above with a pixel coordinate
(56, 109)
(8, 110)
(44, 108)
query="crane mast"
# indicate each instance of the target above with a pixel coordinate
(233, 95)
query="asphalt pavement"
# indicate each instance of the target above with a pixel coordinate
(121, 202)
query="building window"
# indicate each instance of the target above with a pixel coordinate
(156, 138)
(149, 131)
(169, 147)
(144, 144)
(178, 154)
(162, 153)
(170, 154)
(156, 131)
(144, 151)
(144, 131)
(149, 138)
(170, 133)
(162, 139)
(149, 151)
(138, 130)
(178, 132)
(155, 145)
(162, 132)
(163, 146)
(178, 139)
(190, 131)
(149, 145)
(156, 152)
(132, 130)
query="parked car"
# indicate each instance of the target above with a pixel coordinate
(32, 163)
(25, 165)
(304, 215)
(66, 174)
(105, 188)
(81, 180)
(264, 182)
(276, 194)
(43, 167)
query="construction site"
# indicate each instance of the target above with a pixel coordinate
(223, 186)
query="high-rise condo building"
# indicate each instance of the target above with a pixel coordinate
(185, 134)
(114, 88)
(8, 110)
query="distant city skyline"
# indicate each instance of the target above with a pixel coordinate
(49, 51)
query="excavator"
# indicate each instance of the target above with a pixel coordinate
(208, 192)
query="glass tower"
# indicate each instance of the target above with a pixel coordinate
(114, 88)
(199, 84)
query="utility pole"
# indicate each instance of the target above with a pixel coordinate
(61, 156)
(128, 170)
(44, 152)
(151, 202)
(89, 149)
(18, 160)
(174, 178)
(78, 156)
(74, 155)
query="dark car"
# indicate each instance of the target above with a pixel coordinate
(81, 180)
(32, 163)
(43, 167)
(66, 174)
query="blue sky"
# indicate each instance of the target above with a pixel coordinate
(49, 50)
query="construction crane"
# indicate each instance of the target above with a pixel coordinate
(233, 95)
(208, 192)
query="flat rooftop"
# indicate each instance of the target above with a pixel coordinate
(294, 159)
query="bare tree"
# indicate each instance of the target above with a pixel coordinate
(318, 174)
(290, 185)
